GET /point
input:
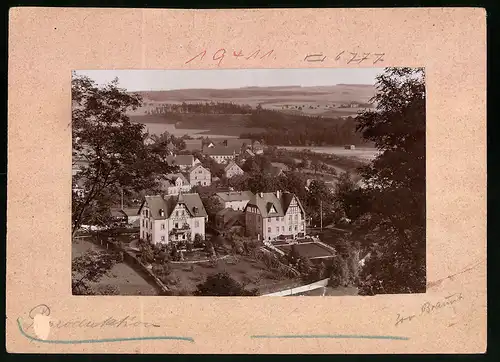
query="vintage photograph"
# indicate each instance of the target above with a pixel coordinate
(249, 182)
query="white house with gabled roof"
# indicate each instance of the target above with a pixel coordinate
(172, 219)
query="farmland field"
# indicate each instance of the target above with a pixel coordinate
(363, 153)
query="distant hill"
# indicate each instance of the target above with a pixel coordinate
(318, 100)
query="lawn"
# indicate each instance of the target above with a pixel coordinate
(252, 273)
(128, 281)
(309, 250)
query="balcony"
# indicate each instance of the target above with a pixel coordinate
(185, 228)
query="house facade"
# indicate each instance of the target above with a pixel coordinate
(270, 216)
(172, 219)
(221, 154)
(174, 184)
(199, 176)
(232, 169)
(236, 200)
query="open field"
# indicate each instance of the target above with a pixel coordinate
(330, 101)
(250, 272)
(128, 281)
(363, 153)
(311, 100)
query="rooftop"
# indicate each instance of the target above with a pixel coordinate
(192, 202)
(235, 195)
(180, 160)
(267, 201)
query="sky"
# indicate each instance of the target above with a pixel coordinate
(145, 80)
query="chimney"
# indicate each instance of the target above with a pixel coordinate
(278, 194)
(162, 213)
(261, 194)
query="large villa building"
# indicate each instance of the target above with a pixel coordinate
(270, 216)
(173, 218)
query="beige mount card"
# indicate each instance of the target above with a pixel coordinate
(48, 46)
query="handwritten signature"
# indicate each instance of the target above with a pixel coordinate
(123, 322)
(430, 308)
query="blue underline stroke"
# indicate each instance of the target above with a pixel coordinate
(337, 336)
(104, 340)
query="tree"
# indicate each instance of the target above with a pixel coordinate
(316, 165)
(221, 284)
(394, 220)
(112, 145)
(89, 268)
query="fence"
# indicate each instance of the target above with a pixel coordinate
(301, 289)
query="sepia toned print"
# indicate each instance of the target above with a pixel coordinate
(281, 182)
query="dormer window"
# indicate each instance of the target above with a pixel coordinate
(161, 212)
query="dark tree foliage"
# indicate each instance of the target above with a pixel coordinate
(89, 268)
(112, 145)
(221, 284)
(393, 221)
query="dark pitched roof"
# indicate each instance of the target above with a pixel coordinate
(180, 160)
(235, 195)
(192, 202)
(193, 145)
(231, 217)
(130, 211)
(268, 200)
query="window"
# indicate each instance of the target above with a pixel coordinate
(147, 213)
(146, 223)
(196, 224)
(163, 226)
(204, 184)
(296, 217)
(295, 227)
(269, 229)
(278, 229)
(162, 238)
(277, 219)
(177, 213)
(183, 236)
(290, 228)
(176, 225)
(282, 229)
(290, 218)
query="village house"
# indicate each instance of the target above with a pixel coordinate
(269, 216)
(184, 162)
(174, 184)
(172, 219)
(229, 221)
(236, 200)
(232, 169)
(132, 215)
(199, 176)
(220, 154)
